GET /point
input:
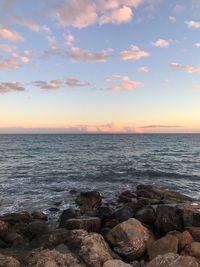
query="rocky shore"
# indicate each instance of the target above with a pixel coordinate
(148, 227)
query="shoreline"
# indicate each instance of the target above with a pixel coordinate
(143, 228)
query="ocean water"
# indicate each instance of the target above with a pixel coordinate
(38, 170)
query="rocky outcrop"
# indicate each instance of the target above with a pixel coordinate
(8, 261)
(129, 239)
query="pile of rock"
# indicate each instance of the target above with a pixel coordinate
(150, 227)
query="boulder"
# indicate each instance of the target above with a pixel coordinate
(3, 228)
(52, 258)
(190, 214)
(13, 238)
(126, 196)
(36, 229)
(8, 261)
(146, 215)
(91, 199)
(129, 239)
(195, 232)
(173, 260)
(124, 213)
(184, 240)
(116, 263)
(148, 191)
(168, 219)
(13, 218)
(39, 215)
(164, 245)
(94, 250)
(66, 215)
(104, 213)
(90, 224)
(192, 249)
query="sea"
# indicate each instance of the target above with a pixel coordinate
(39, 170)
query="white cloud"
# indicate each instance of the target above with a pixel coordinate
(161, 43)
(126, 85)
(144, 69)
(197, 45)
(193, 24)
(134, 53)
(172, 19)
(117, 16)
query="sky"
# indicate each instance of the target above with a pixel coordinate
(102, 66)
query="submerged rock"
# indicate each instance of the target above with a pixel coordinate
(129, 239)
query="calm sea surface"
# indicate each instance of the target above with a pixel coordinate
(38, 170)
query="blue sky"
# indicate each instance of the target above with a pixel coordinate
(100, 66)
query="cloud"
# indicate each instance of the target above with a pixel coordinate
(10, 63)
(30, 24)
(6, 87)
(172, 19)
(117, 16)
(77, 53)
(144, 69)
(114, 4)
(52, 42)
(160, 126)
(196, 87)
(69, 39)
(161, 43)
(193, 24)
(186, 68)
(197, 45)
(49, 86)
(9, 34)
(127, 84)
(74, 82)
(22, 58)
(134, 53)
(6, 48)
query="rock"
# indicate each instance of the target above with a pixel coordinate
(90, 224)
(3, 228)
(39, 215)
(116, 263)
(8, 261)
(19, 228)
(111, 223)
(195, 232)
(13, 238)
(191, 214)
(13, 218)
(91, 199)
(36, 229)
(126, 197)
(148, 191)
(4, 244)
(52, 258)
(124, 213)
(53, 209)
(66, 215)
(184, 240)
(94, 250)
(136, 264)
(129, 239)
(164, 245)
(175, 197)
(168, 219)
(146, 215)
(192, 249)
(104, 213)
(173, 260)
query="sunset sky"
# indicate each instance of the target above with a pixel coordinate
(99, 66)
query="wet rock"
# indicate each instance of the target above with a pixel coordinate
(94, 250)
(191, 214)
(3, 228)
(116, 263)
(13, 218)
(91, 199)
(126, 196)
(36, 229)
(173, 260)
(19, 228)
(52, 258)
(111, 223)
(4, 244)
(39, 215)
(8, 261)
(146, 215)
(166, 244)
(175, 197)
(195, 232)
(53, 209)
(148, 191)
(13, 238)
(168, 219)
(124, 213)
(192, 249)
(129, 239)
(66, 215)
(184, 239)
(105, 213)
(90, 224)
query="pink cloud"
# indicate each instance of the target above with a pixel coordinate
(161, 43)
(77, 53)
(74, 82)
(30, 24)
(6, 48)
(49, 86)
(6, 87)
(197, 87)
(10, 63)
(117, 16)
(10, 34)
(134, 53)
(186, 68)
(193, 24)
(127, 84)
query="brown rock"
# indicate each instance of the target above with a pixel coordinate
(13, 238)
(195, 232)
(116, 263)
(184, 239)
(173, 260)
(91, 199)
(39, 215)
(13, 218)
(52, 258)
(129, 239)
(191, 214)
(166, 244)
(7, 261)
(126, 197)
(146, 215)
(192, 250)
(66, 215)
(168, 219)
(35, 229)
(90, 224)
(3, 228)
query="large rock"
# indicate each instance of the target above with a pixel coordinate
(52, 258)
(146, 215)
(90, 224)
(39, 215)
(105, 213)
(116, 263)
(192, 249)
(173, 260)
(7, 261)
(195, 232)
(94, 250)
(168, 219)
(13, 218)
(3, 228)
(126, 196)
(166, 244)
(129, 239)
(35, 229)
(66, 215)
(191, 214)
(124, 213)
(91, 199)
(13, 238)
